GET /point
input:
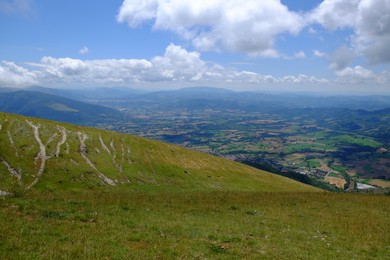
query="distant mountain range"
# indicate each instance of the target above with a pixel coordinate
(94, 106)
(53, 107)
(194, 97)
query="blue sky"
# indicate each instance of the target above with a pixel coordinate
(288, 45)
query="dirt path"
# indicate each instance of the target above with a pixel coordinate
(4, 193)
(41, 154)
(62, 141)
(83, 152)
(105, 148)
(119, 167)
(13, 172)
(123, 154)
(128, 155)
(112, 155)
(11, 140)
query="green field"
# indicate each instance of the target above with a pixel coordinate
(116, 224)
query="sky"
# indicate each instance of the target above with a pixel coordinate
(335, 46)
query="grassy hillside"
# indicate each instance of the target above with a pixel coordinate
(47, 155)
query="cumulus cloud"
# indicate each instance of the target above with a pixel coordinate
(335, 14)
(136, 12)
(369, 19)
(252, 27)
(84, 51)
(341, 58)
(248, 27)
(16, 76)
(358, 75)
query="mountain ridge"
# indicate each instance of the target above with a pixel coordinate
(52, 107)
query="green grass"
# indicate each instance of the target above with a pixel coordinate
(313, 163)
(313, 147)
(334, 174)
(362, 141)
(115, 224)
(130, 161)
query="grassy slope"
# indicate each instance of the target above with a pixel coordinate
(188, 225)
(205, 207)
(126, 160)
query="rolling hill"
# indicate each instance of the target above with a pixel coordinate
(52, 107)
(47, 155)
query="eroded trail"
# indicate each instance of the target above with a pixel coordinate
(62, 141)
(41, 154)
(119, 167)
(13, 172)
(11, 140)
(104, 146)
(112, 155)
(83, 151)
(4, 193)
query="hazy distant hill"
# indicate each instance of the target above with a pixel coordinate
(41, 154)
(201, 97)
(42, 105)
(98, 95)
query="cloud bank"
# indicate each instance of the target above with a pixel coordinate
(176, 68)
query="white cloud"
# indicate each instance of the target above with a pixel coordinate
(84, 51)
(369, 19)
(177, 67)
(356, 72)
(303, 79)
(318, 54)
(359, 75)
(300, 55)
(14, 76)
(335, 14)
(136, 12)
(252, 27)
(248, 27)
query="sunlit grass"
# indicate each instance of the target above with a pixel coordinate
(211, 225)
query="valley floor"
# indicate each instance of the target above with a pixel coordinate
(208, 225)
